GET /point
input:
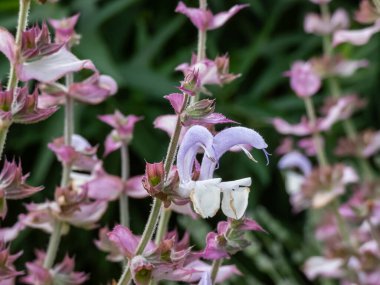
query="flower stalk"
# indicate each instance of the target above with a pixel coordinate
(55, 237)
(157, 204)
(123, 200)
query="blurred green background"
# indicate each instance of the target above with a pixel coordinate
(139, 43)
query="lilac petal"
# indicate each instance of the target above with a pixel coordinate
(283, 127)
(134, 187)
(225, 140)
(7, 45)
(52, 67)
(296, 159)
(221, 18)
(195, 138)
(124, 239)
(11, 233)
(206, 279)
(176, 100)
(224, 273)
(356, 37)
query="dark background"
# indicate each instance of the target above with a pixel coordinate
(139, 43)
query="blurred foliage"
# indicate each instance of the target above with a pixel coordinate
(139, 43)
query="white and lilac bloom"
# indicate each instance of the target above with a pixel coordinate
(206, 192)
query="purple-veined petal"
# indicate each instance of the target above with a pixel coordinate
(356, 37)
(224, 141)
(7, 45)
(124, 239)
(195, 138)
(52, 67)
(295, 159)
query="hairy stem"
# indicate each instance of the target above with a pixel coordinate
(123, 200)
(163, 225)
(13, 80)
(55, 237)
(156, 207)
(215, 268)
(21, 26)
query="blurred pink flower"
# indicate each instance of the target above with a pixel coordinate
(315, 24)
(356, 37)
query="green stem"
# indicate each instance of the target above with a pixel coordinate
(342, 225)
(123, 201)
(321, 155)
(156, 207)
(3, 138)
(21, 26)
(215, 268)
(68, 128)
(53, 245)
(163, 225)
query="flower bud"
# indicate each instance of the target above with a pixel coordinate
(199, 110)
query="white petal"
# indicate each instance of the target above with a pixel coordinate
(293, 182)
(52, 67)
(235, 202)
(236, 184)
(206, 198)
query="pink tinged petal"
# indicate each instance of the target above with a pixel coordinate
(304, 81)
(104, 187)
(166, 123)
(349, 175)
(317, 25)
(7, 45)
(373, 147)
(134, 187)
(295, 159)
(64, 28)
(320, 2)
(224, 273)
(124, 239)
(94, 89)
(356, 37)
(320, 266)
(11, 233)
(367, 13)
(206, 197)
(301, 129)
(111, 144)
(227, 139)
(176, 101)
(235, 197)
(195, 138)
(87, 216)
(213, 251)
(52, 67)
(200, 18)
(221, 18)
(250, 225)
(184, 210)
(213, 119)
(347, 68)
(335, 114)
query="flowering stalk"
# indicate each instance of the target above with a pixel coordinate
(55, 237)
(123, 200)
(156, 207)
(335, 92)
(13, 80)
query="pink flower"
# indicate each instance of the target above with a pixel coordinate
(64, 30)
(18, 106)
(367, 12)
(320, 266)
(13, 186)
(105, 244)
(204, 19)
(122, 133)
(209, 72)
(315, 24)
(7, 269)
(356, 37)
(39, 59)
(304, 81)
(62, 273)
